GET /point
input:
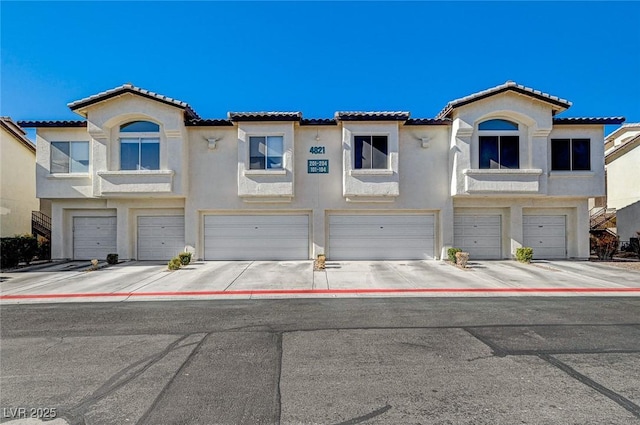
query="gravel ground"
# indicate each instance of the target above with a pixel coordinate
(621, 263)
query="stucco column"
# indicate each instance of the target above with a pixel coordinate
(123, 236)
(57, 232)
(515, 229)
(318, 235)
(191, 221)
(582, 231)
(446, 227)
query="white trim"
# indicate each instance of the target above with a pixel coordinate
(470, 171)
(136, 173)
(370, 172)
(265, 172)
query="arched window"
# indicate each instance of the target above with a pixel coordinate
(140, 127)
(499, 144)
(498, 125)
(140, 146)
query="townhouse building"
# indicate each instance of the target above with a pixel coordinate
(144, 176)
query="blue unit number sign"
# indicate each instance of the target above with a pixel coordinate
(318, 166)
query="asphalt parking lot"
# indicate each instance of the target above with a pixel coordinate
(249, 279)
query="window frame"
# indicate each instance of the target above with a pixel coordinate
(69, 157)
(265, 157)
(140, 138)
(571, 152)
(355, 150)
(499, 134)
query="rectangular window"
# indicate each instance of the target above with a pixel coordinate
(265, 152)
(570, 155)
(500, 152)
(371, 152)
(139, 153)
(69, 157)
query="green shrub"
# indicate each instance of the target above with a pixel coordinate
(634, 245)
(185, 258)
(112, 258)
(9, 248)
(451, 253)
(20, 248)
(524, 254)
(44, 250)
(174, 263)
(28, 247)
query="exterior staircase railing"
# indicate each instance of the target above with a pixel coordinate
(602, 218)
(41, 224)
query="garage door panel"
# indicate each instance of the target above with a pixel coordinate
(381, 237)
(94, 237)
(160, 237)
(479, 235)
(546, 234)
(256, 237)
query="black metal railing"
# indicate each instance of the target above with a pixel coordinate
(41, 224)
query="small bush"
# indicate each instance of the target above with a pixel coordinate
(9, 248)
(634, 246)
(20, 248)
(28, 247)
(524, 254)
(44, 250)
(185, 258)
(174, 263)
(112, 258)
(451, 253)
(462, 258)
(604, 245)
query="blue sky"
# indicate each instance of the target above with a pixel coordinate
(318, 57)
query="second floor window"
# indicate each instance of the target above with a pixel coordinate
(265, 152)
(570, 155)
(140, 146)
(499, 144)
(370, 152)
(69, 157)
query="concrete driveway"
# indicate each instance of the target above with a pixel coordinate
(266, 279)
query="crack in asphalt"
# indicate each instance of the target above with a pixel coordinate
(119, 380)
(366, 417)
(143, 419)
(278, 400)
(607, 392)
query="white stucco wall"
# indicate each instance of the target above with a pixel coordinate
(17, 186)
(623, 179)
(214, 175)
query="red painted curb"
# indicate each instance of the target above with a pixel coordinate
(318, 291)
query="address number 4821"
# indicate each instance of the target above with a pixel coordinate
(317, 150)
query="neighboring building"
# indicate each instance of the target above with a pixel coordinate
(144, 176)
(17, 180)
(622, 159)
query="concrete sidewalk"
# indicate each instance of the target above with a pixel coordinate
(135, 281)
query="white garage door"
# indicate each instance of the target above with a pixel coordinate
(381, 237)
(546, 234)
(479, 235)
(94, 237)
(160, 237)
(256, 237)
